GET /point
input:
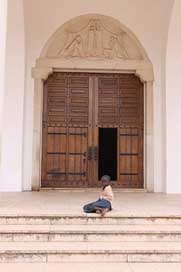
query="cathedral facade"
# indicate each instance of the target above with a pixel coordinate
(88, 90)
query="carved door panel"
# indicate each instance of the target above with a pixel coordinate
(67, 120)
(106, 110)
(131, 129)
(120, 105)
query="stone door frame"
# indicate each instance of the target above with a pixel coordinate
(40, 74)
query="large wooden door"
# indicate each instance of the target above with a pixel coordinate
(66, 130)
(121, 105)
(76, 105)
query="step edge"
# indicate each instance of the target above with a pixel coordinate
(91, 232)
(91, 251)
(79, 216)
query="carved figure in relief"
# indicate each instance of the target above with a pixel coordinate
(94, 41)
(115, 49)
(74, 48)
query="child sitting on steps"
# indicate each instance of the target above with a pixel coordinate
(103, 204)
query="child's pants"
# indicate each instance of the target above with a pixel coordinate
(100, 203)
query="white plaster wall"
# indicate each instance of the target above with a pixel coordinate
(3, 24)
(12, 127)
(148, 19)
(173, 102)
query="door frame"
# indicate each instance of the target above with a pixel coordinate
(41, 72)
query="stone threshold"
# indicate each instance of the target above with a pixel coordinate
(92, 190)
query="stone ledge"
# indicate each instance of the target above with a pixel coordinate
(111, 257)
(97, 267)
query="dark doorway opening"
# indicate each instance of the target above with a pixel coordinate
(108, 152)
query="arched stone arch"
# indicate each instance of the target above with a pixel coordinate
(93, 43)
(107, 31)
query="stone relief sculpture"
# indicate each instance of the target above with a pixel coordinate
(74, 48)
(93, 37)
(94, 41)
(115, 49)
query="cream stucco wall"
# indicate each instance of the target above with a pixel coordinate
(3, 26)
(173, 101)
(149, 22)
(13, 101)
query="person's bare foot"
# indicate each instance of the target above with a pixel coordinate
(104, 211)
(99, 210)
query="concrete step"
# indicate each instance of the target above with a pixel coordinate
(92, 219)
(97, 267)
(117, 252)
(83, 233)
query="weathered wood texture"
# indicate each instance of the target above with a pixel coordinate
(75, 106)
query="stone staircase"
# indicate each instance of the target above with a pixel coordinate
(83, 239)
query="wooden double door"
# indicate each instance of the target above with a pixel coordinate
(92, 125)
